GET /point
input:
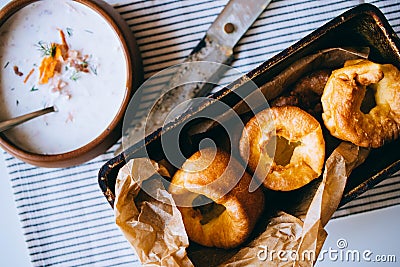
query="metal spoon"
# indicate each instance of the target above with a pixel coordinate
(7, 124)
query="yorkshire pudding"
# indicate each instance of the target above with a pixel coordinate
(343, 96)
(214, 213)
(300, 147)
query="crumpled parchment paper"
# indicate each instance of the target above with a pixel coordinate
(155, 228)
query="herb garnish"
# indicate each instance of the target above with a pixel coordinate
(70, 32)
(5, 66)
(87, 63)
(46, 49)
(34, 89)
(93, 69)
(75, 76)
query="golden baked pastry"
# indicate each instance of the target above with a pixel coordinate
(343, 96)
(231, 213)
(300, 147)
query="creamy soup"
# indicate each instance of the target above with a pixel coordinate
(62, 53)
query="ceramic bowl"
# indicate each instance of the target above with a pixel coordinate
(109, 129)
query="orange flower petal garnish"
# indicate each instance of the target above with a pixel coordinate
(51, 64)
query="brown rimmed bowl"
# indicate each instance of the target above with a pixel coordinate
(112, 133)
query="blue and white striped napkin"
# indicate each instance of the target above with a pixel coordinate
(66, 219)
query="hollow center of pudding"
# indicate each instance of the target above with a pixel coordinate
(368, 102)
(284, 150)
(209, 209)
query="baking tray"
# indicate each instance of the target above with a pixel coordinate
(363, 26)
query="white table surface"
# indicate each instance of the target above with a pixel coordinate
(13, 250)
(375, 231)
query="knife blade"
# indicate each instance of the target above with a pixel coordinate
(188, 80)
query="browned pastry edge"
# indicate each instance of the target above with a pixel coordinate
(306, 93)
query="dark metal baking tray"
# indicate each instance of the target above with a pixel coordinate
(363, 25)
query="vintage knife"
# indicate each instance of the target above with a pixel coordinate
(216, 46)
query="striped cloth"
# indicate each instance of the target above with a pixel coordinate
(66, 219)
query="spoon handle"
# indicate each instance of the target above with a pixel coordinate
(7, 124)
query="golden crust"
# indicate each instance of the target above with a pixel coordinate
(294, 125)
(344, 93)
(242, 208)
